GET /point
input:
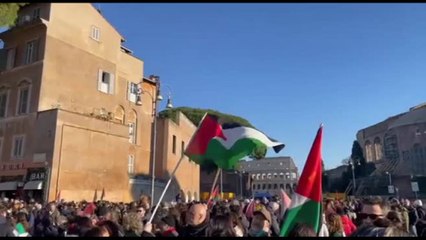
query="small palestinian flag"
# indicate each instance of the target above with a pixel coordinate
(225, 143)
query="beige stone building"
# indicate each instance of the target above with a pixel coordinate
(68, 115)
(397, 146)
(172, 139)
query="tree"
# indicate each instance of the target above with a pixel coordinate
(9, 13)
(258, 153)
(362, 168)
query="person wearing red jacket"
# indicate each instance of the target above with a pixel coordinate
(348, 226)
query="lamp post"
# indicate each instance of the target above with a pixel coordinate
(352, 163)
(390, 178)
(155, 101)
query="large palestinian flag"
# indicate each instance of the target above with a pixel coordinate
(306, 201)
(225, 143)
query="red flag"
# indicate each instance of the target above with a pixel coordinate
(208, 129)
(250, 209)
(310, 183)
(90, 209)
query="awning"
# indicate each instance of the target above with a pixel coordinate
(8, 186)
(33, 185)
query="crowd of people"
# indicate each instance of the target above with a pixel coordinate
(372, 216)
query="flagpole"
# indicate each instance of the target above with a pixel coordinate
(221, 183)
(165, 189)
(215, 181)
(213, 186)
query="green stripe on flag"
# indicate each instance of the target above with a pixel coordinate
(227, 158)
(308, 213)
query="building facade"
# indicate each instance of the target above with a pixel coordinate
(270, 175)
(69, 122)
(397, 146)
(172, 138)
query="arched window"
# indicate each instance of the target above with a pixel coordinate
(368, 151)
(4, 96)
(378, 148)
(275, 175)
(195, 196)
(269, 186)
(133, 126)
(263, 186)
(253, 176)
(282, 175)
(269, 176)
(275, 186)
(119, 114)
(281, 185)
(24, 93)
(258, 176)
(263, 175)
(254, 186)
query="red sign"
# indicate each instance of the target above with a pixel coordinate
(14, 166)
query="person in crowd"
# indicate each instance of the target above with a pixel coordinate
(335, 226)
(132, 225)
(6, 228)
(302, 230)
(348, 226)
(261, 223)
(167, 226)
(22, 225)
(221, 226)
(373, 212)
(97, 232)
(197, 221)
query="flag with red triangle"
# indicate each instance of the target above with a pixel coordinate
(306, 201)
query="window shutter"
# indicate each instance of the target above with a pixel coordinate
(111, 87)
(100, 80)
(36, 50)
(128, 90)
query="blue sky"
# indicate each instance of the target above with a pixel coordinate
(285, 67)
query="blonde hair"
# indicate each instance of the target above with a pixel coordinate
(132, 222)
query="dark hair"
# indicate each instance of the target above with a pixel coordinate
(22, 218)
(302, 230)
(221, 226)
(113, 228)
(95, 232)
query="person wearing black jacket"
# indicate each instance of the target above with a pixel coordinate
(197, 221)
(6, 229)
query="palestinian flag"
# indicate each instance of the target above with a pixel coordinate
(214, 197)
(306, 201)
(225, 143)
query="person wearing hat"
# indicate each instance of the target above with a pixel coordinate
(167, 226)
(261, 223)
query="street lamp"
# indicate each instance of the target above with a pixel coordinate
(352, 163)
(155, 101)
(390, 178)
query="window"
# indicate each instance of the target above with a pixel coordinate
(131, 164)
(254, 186)
(10, 63)
(24, 97)
(174, 145)
(36, 13)
(275, 186)
(132, 93)
(269, 186)
(378, 148)
(31, 52)
(3, 103)
(18, 147)
(182, 148)
(368, 151)
(281, 186)
(106, 82)
(95, 33)
(132, 133)
(263, 186)
(293, 175)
